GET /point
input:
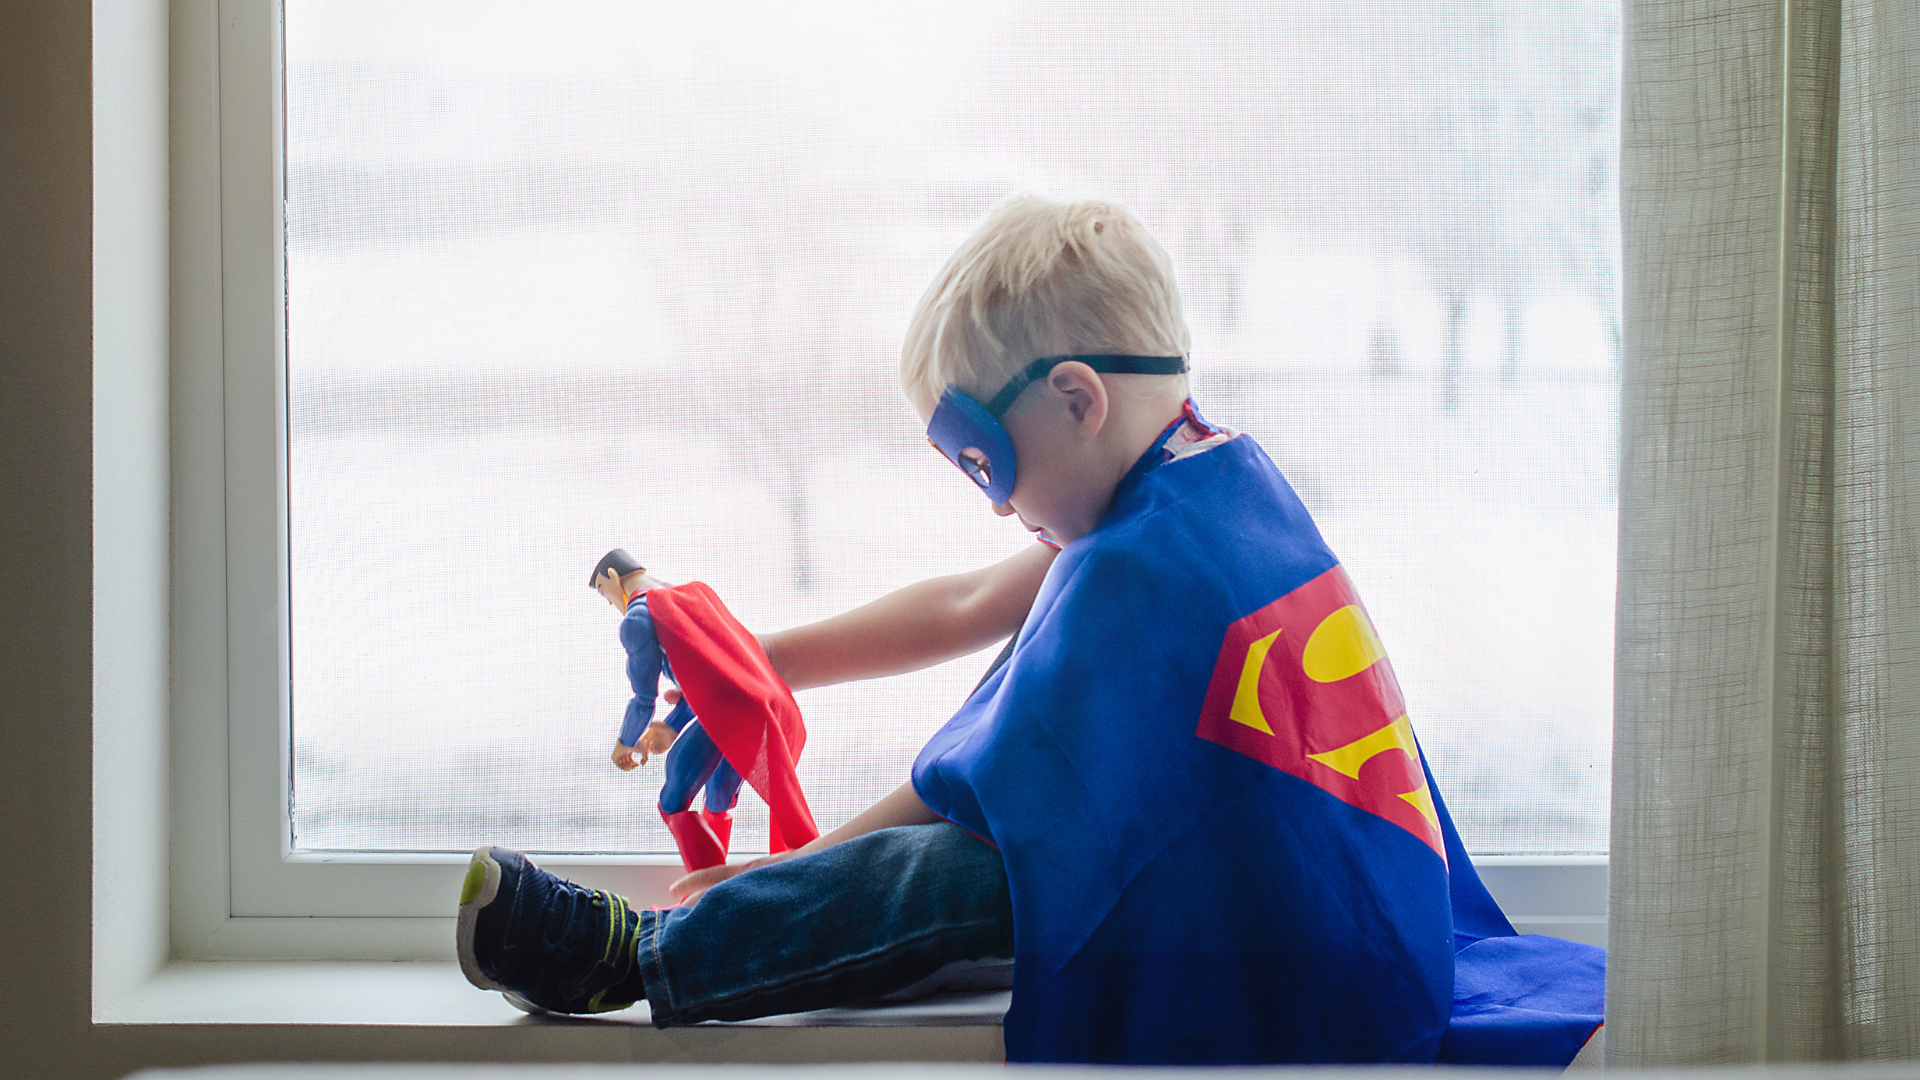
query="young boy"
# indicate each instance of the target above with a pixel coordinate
(1277, 881)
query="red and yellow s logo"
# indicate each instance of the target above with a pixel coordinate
(1305, 686)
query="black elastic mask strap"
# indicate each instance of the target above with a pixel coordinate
(1104, 363)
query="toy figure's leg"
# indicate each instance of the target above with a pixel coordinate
(698, 845)
(721, 826)
(691, 763)
(861, 919)
(723, 791)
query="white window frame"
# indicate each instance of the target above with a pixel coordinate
(239, 890)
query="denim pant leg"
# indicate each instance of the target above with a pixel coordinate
(848, 924)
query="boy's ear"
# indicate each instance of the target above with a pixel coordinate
(1085, 394)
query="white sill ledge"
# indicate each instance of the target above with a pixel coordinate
(435, 994)
(426, 1009)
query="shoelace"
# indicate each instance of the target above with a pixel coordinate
(567, 908)
(563, 923)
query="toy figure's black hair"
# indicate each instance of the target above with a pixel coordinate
(617, 561)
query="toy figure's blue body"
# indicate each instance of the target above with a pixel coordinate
(694, 760)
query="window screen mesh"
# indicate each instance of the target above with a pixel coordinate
(568, 276)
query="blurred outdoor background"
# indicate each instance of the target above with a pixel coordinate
(591, 273)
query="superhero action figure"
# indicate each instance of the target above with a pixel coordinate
(747, 710)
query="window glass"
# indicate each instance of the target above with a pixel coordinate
(585, 273)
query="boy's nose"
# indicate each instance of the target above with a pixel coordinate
(1003, 509)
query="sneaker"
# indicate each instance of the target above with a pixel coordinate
(548, 944)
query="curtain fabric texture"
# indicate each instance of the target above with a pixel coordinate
(1766, 813)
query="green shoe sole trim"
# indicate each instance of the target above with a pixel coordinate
(476, 877)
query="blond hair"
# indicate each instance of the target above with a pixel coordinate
(1041, 278)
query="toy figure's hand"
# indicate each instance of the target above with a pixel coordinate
(623, 757)
(657, 739)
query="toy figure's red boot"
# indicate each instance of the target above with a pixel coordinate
(721, 822)
(699, 847)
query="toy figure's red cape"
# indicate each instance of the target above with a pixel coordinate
(742, 703)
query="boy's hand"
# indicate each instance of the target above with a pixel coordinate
(623, 757)
(657, 739)
(688, 890)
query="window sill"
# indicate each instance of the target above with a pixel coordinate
(951, 1026)
(425, 1010)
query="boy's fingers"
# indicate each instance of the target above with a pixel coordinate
(701, 880)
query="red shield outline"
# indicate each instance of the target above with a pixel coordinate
(1303, 685)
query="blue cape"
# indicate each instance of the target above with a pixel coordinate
(1222, 842)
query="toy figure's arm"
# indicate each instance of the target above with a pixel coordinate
(659, 736)
(915, 627)
(901, 807)
(644, 661)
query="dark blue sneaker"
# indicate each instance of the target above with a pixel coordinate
(548, 944)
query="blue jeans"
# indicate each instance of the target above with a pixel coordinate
(854, 922)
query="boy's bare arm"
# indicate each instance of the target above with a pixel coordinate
(915, 627)
(905, 630)
(902, 806)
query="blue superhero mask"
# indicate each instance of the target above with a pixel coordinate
(970, 435)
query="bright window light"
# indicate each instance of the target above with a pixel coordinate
(578, 274)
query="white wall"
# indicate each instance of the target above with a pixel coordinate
(130, 509)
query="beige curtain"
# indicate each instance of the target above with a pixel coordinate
(1766, 814)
